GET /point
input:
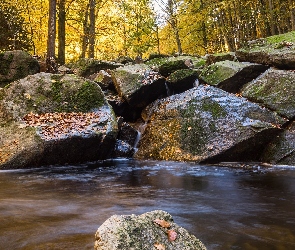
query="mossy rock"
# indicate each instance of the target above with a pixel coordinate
(181, 80)
(231, 76)
(278, 51)
(16, 65)
(275, 90)
(54, 119)
(138, 84)
(214, 58)
(167, 68)
(143, 233)
(206, 124)
(87, 66)
(281, 150)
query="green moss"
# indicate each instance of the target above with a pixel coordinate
(5, 63)
(290, 37)
(181, 74)
(132, 82)
(220, 71)
(216, 110)
(88, 97)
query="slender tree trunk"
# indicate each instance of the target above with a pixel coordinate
(91, 28)
(50, 60)
(51, 29)
(271, 16)
(85, 33)
(173, 23)
(61, 32)
(292, 13)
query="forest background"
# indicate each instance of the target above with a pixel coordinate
(108, 29)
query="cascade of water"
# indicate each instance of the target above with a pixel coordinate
(168, 91)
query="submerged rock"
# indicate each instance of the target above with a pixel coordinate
(231, 76)
(54, 119)
(152, 230)
(275, 90)
(15, 65)
(139, 85)
(123, 149)
(281, 150)
(206, 124)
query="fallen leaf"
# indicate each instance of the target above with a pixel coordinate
(159, 246)
(162, 223)
(172, 235)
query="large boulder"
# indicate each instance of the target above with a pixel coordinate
(15, 65)
(139, 85)
(278, 51)
(152, 230)
(281, 150)
(54, 119)
(275, 90)
(88, 66)
(181, 80)
(231, 76)
(169, 67)
(206, 124)
(214, 58)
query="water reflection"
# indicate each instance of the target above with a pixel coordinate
(61, 207)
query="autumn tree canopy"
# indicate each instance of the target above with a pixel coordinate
(106, 29)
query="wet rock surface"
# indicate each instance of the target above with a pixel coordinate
(152, 230)
(206, 124)
(15, 65)
(54, 119)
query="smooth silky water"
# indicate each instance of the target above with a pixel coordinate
(226, 208)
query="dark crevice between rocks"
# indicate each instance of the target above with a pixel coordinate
(241, 152)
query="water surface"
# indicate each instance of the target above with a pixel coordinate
(61, 207)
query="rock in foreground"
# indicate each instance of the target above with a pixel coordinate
(54, 119)
(152, 230)
(206, 124)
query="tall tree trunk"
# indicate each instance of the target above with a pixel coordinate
(85, 32)
(272, 18)
(61, 32)
(50, 60)
(292, 13)
(173, 23)
(91, 28)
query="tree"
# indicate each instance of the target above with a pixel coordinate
(50, 57)
(13, 34)
(61, 32)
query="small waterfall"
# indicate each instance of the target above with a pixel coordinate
(168, 91)
(196, 83)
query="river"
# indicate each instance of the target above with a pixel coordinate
(61, 207)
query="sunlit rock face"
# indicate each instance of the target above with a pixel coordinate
(152, 230)
(15, 65)
(206, 124)
(275, 90)
(231, 76)
(54, 119)
(139, 85)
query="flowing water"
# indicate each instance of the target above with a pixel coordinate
(226, 208)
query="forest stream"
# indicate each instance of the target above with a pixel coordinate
(61, 207)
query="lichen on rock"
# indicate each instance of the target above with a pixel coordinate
(144, 232)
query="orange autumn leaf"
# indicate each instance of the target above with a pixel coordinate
(172, 235)
(159, 246)
(162, 223)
